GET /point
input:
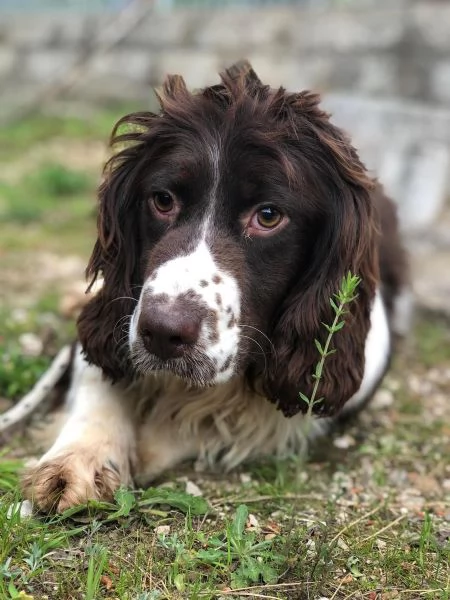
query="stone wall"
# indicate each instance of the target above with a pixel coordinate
(397, 52)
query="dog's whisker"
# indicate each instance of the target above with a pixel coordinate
(273, 350)
(259, 331)
(259, 346)
(119, 321)
(123, 339)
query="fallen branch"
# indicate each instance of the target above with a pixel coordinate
(30, 402)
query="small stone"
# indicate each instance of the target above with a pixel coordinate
(427, 484)
(245, 478)
(31, 344)
(162, 529)
(193, 489)
(382, 399)
(25, 510)
(342, 544)
(344, 442)
(19, 315)
(381, 544)
(252, 522)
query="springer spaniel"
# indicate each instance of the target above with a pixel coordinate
(226, 223)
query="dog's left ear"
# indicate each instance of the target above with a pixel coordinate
(346, 241)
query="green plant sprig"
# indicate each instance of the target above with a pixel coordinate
(345, 295)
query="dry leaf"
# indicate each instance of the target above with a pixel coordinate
(272, 527)
(106, 582)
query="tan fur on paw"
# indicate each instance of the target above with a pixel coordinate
(72, 478)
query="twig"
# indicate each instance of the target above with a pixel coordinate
(244, 500)
(29, 403)
(376, 534)
(266, 586)
(337, 589)
(353, 523)
(353, 594)
(249, 594)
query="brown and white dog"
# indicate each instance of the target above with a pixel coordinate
(226, 223)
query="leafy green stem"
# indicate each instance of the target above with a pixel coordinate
(345, 295)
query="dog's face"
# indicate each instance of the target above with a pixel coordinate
(217, 211)
(224, 229)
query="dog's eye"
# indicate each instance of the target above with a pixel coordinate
(163, 202)
(268, 217)
(265, 221)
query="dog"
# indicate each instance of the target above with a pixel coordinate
(226, 223)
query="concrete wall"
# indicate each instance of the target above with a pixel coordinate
(397, 52)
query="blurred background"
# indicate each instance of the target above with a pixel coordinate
(70, 68)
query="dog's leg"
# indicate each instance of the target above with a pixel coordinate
(92, 455)
(162, 446)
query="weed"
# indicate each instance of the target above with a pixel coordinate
(18, 373)
(8, 472)
(98, 558)
(55, 180)
(230, 549)
(345, 295)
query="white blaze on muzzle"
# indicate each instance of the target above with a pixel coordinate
(197, 277)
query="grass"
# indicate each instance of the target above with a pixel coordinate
(19, 137)
(365, 519)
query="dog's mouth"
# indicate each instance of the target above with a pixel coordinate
(194, 366)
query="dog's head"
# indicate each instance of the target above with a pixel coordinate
(226, 223)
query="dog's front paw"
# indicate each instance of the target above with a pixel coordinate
(73, 477)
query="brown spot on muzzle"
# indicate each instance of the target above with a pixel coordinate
(212, 324)
(226, 364)
(231, 322)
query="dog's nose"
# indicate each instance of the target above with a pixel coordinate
(168, 333)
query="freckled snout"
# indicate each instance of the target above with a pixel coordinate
(169, 330)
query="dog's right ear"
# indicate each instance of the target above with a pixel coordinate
(103, 323)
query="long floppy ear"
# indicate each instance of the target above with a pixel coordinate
(104, 322)
(346, 241)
